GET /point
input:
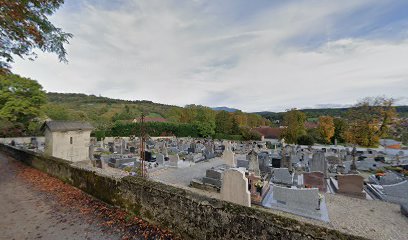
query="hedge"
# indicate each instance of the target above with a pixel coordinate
(154, 129)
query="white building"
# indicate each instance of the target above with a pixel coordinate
(67, 139)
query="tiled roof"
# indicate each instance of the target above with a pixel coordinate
(61, 126)
(269, 132)
(310, 125)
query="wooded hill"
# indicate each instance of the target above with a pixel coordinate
(101, 110)
(315, 113)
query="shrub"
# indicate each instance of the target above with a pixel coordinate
(305, 140)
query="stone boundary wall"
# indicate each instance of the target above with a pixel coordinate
(188, 214)
(21, 140)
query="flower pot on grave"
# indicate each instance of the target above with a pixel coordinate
(259, 190)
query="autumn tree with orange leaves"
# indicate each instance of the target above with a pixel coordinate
(326, 128)
(369, 121)
(24, 26)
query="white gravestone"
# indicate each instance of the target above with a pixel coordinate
(234, 187)
(228, 155)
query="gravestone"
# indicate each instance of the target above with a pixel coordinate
(253, 163)
(242, 163)
(293, 155)
(390, 178)
(285, 162)
(174, 160)
(333, 160)
(213, 177)
(98, 161)
(208, 154)
(198, 157)
(302, 200)
(276, 162)
(351, 184)
(160, 158)
(314, 180)
(235, 187)
(282, 176)
(318, 163)
(397, 193)
(264, 162)
(91, 152)
(228, 155)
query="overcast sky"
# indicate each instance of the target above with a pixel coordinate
(251, 55)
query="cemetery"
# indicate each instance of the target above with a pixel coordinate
(299, 180)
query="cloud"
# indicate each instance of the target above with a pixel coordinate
(267, 56)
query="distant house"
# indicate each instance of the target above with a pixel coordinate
(390, 143)
(269, 132)
(150, 119)
(310, 125)
(67, 139)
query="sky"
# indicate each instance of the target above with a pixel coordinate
(261, 55)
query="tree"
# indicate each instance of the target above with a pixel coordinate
(235, 127)
(24, 26)
(326, 128)
(340, 126)
(21, 99)
(294, 120)
(241, 118)
(57, 112)
(205, 121)
(223, 122)
(369, 120)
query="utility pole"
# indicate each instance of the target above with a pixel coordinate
(143, 172)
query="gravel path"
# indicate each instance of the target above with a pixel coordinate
(34, 205)
(372, 219)
(30, 214)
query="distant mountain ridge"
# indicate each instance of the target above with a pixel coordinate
(225, 109)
